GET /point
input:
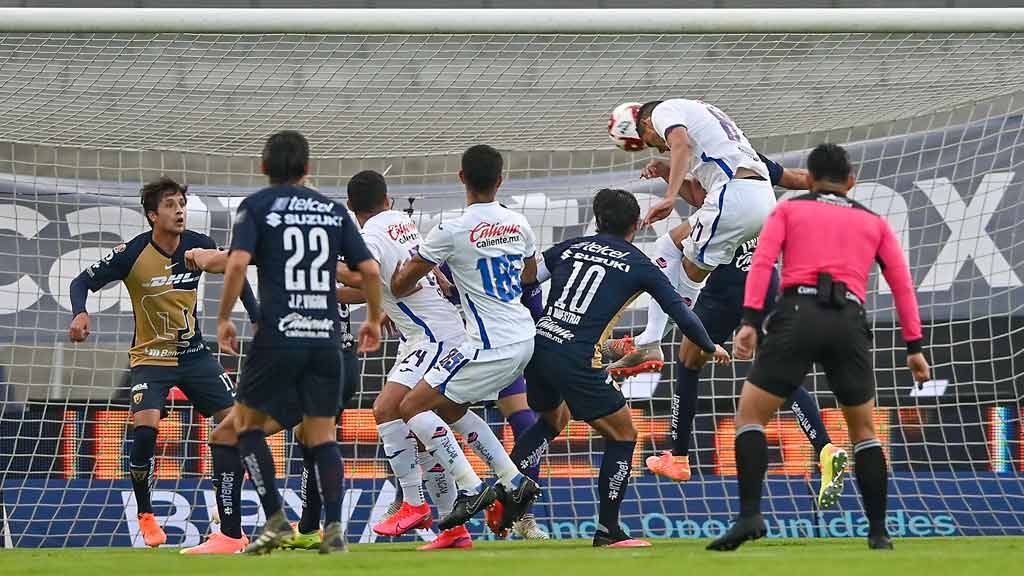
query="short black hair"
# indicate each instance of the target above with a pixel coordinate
(153, 194)
(643, 112)
(829, 162)
(285, 156)
(366, 191)
(615, 211)
(481, 168)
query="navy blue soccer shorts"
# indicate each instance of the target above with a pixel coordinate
(721, 310)
(551, 377)
(289, 383)
(199, 376)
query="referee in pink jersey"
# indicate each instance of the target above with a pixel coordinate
(828, 245)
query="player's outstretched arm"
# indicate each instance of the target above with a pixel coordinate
(407, 275)
(347, 276)
(350, 296)
(234, 280)
(212, 260)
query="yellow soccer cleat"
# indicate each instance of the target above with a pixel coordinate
(300, 541)
(833, 473)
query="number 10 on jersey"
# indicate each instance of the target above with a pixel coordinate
(500, 276)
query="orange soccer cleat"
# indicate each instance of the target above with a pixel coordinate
(152, 534)
(672, 467)
(407, 518)
(218, 543)
(456, 538)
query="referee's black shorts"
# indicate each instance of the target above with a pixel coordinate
(801, 332)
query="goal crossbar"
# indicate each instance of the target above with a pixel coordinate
(509, 21)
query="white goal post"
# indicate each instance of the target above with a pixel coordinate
(93, 102)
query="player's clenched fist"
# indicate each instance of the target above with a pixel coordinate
(227, 337)
(80, 328)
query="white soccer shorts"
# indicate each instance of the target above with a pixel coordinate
(415, 359)
(469, 375)
(726, 220)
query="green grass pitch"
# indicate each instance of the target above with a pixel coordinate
(989, 556)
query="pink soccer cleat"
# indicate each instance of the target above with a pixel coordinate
(456, 538)
(407, 518)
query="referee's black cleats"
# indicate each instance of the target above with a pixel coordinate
(515, 502)
(880, 542)
(468, 505)
(745, 528)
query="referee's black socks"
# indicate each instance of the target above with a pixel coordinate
(873, 481)
(751, 464)
(256, 456)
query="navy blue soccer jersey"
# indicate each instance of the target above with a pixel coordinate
(728, 280)
(593, 280)
(295, 236)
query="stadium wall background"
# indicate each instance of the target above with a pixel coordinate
(63, 423)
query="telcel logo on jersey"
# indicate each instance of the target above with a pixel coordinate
(487, 234)
(172, 280)
(296, 325)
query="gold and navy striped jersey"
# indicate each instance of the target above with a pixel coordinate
(163, 295)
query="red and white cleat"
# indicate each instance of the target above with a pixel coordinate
(633, 360)
(407, 518)
(672, 467)
(457, 538)
(218, 543)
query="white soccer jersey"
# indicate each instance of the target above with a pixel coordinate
(485, 249)
(425, 314)
(718, 146)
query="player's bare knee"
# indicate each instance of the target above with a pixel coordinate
(385, 410)
(149, 418)
(694, 272)
(224, 432)
(451, 412)
(558, 418)
(690, 355)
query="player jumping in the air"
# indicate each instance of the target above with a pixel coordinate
(487, 249)
(167, 349)
(294, 235)
(430, 327)
(720, 308)
(593, 280)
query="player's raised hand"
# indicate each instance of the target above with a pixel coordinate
(369, 337)
(227, 337)
(80, 328)
(659, 211)
(745, 342)
(918, 365)
(656, 169)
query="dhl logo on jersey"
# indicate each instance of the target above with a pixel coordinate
(171, 280)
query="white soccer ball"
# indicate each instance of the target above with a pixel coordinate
(622, 127)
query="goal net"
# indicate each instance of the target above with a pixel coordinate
(91, 107)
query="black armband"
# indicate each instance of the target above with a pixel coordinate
(914, 347)
(752, 317)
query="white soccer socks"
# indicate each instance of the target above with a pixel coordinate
(481, 439)
(400, 450)
(437, 437)
(439, 483)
